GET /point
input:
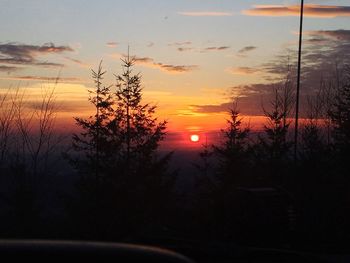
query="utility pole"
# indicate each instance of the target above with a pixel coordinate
(298, 83)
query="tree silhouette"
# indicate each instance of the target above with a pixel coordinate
(232, 153)
(214, 205)
(274, 147)
(94, 141)
(135, 122)
(205, 166)
(272, 150)
(341, 118)
(124, 182)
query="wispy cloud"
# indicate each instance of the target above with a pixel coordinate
(14, 53)
(212, 108)
(8, 69)
(340, 34)
(151, 63)
(182, 49)
(246, 49)
(320, 62)
(310, 10)
(185, 43)
(169, 68)
(77, 61)
(243, 70)
(177, 68)
(248, 98)
(316, 41)
(143, 60)
(216, 48)
(43, 78)
(185, 46)
(326, 54)
(204, 13)
(112, 44)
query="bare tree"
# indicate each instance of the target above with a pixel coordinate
(7, 114)
(35, 137)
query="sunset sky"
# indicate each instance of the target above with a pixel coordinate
(194, 55)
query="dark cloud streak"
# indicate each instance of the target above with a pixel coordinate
(21, 54)
(149, 62)
(8, 68)
(43, 78)
(247, 49)
(216, 48)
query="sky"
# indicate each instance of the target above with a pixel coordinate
(194, 55)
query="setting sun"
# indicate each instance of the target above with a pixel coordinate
(194, 138)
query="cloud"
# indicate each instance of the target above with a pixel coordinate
(8, 69)
(182, 49)
(77, 61)
(180, 43)
(182, 46)
(310, 10)
(246, 49)
(250, 100)
(325, 56)
(216, 48)
(42, 78)
(14, 53)
(341, 34)
(316, 41)
(243, 70)
(176, 68)
(205, 13)
(112, 44)
(212, 108)
(143, 60)
(20, 61)
(150, 44)
(319, 62)
(149, 62)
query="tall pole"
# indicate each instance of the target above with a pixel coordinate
(298, 82)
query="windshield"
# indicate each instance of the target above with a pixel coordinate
(176, 122)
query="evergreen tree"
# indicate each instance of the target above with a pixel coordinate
(124, 184)
(232, 154)
(272, 150)
(341, 119)
(274, 146)
(143, 176)
(139, 130)
(93, 143)
(223, 168)
(205, 166)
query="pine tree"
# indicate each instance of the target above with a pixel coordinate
(93, 143)
(140, 131)
(341, 118)
(218, 193)
(232, 153)
(124, 184)
(274, 147)
(272, 150)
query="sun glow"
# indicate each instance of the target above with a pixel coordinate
(194, 138)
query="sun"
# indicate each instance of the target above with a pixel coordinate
(194, 138)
